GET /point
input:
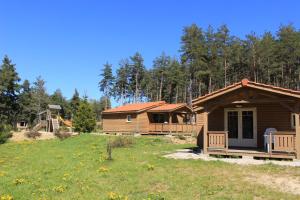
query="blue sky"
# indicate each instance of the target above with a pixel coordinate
(68, 41)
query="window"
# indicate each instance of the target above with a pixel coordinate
(159, 118)
(293, 120)
(128, 118)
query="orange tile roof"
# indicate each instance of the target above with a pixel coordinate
(135, 107)
(168, 107)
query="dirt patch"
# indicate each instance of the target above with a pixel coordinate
(183, 140)
(159, 187)
(21, 136)
(287, 184)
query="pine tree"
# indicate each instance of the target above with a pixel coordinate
(26, 104)
(106, 83)
(160, 65)
(85, 118)
(39, 95)
(121, 87)
(193, 56)
(74, 102)
(9, 91)
(137, 70)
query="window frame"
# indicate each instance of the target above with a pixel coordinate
(129, 117)
(293, 120)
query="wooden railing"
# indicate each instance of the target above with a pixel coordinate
(282, 141)
(217, 140)
(171, 128)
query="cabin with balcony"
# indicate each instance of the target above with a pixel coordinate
(149, 118)
(249, 119)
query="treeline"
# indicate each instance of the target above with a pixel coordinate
(22, 101)
(210, 59)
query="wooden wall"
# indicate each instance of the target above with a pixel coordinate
(118, 123)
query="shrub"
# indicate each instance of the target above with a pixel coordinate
(118, 142)
(63, 129)
(62, 135)
(85, 118)
(4, 133)
(33, 134)
(121, 141)
(181, 137)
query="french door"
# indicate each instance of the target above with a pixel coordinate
(241, 124)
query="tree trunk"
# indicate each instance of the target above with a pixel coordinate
(160, 86)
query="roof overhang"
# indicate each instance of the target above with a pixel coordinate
(245, 83)
(170, 110)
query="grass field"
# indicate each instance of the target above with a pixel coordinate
(76, 168)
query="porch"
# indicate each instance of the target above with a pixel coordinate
(171, 119)
(281, 145)
(172, 128)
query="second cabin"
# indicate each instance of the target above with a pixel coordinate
(150, 118)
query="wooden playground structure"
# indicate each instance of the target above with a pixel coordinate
(50, 119)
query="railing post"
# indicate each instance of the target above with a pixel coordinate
(226, 141)
(205, 130)
(270, 143)
(297, 140)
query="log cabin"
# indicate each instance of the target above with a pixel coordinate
(149, 118)
(249, 119)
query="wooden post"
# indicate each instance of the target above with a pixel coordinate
(170, 123)
(297, 129)
(270, 143)
(205, 130)
(226, 141)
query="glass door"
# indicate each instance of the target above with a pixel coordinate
(241, 126)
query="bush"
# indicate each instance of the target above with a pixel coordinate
(121, 141)
(33, 134)
(118, 142)
(62, 135)
(181, 137)
(63, 129)
(85, 118)
(4, 133)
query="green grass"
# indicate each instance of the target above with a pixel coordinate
(76, 168)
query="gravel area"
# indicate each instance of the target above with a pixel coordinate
(190, 154)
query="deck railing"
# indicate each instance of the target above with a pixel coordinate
(282, 141)
(217, 140)
(171, 128)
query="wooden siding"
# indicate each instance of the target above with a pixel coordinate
(118, 123)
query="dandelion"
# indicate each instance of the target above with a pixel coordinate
(66, 177)
(19, 181)
(6, 197)
(150, 167)
(102, 170)
(2, 174)
(59, 189)
(115, 196)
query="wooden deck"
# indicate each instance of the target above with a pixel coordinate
(255, 153)
(283, 146)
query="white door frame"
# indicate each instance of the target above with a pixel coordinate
(240, 141)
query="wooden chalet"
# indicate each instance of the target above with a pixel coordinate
(149, 118)
(235, 121)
